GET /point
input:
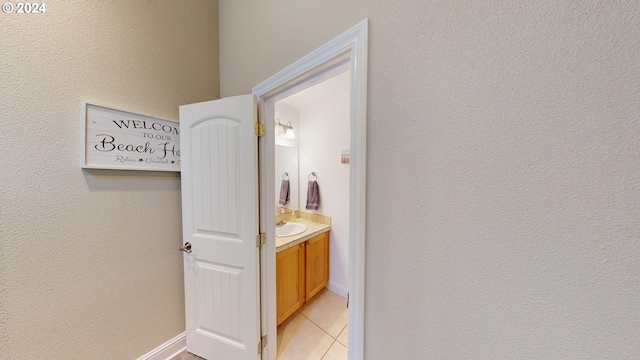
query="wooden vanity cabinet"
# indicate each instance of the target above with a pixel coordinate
(290, 275)
(301, 272)
(317, 265)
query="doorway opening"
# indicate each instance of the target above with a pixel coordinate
(312, 266)
(345, 54)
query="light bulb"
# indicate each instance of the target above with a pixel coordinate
(290, 134)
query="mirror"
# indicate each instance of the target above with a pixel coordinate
(287, 162)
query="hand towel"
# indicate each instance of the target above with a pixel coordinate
(284, 192)
(313, 195)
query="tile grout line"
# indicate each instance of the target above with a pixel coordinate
(320, 327)
(330, 346)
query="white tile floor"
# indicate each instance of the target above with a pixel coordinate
(317, 332)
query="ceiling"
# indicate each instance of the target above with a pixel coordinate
(336, 85)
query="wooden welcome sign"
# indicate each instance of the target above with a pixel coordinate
(122, 140)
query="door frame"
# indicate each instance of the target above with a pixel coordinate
(347, 51)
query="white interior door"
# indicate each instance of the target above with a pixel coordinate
(220, 221)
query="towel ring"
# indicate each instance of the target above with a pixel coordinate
(285, 176)
(313, 173)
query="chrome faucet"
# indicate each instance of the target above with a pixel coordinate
(283, 221)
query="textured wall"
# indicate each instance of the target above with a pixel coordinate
(89, 263)
(503, 168)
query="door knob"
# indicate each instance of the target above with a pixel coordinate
(186, 248)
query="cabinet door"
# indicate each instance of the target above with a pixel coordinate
(317, 261)
(289, 281)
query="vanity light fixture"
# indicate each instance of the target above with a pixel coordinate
(284, 130)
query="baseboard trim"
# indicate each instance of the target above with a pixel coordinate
(167, 350)
(337, 289)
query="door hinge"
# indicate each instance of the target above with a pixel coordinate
(261, 239)
(259, 129)
(262, 344)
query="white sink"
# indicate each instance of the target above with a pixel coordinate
(290, 229)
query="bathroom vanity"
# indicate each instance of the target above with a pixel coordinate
(302, 267)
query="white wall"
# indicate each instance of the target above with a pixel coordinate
(89, 260)
(503, 211)
(325, 132)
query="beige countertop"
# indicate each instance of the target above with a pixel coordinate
(313, 229)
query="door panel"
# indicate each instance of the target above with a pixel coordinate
(289, 281)
(219, 201)
(317, 264)
(215, 191)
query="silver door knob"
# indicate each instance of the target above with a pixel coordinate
(186, 248)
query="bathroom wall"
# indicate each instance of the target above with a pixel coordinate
(503, 210)
(89, 260)
(325, 132)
